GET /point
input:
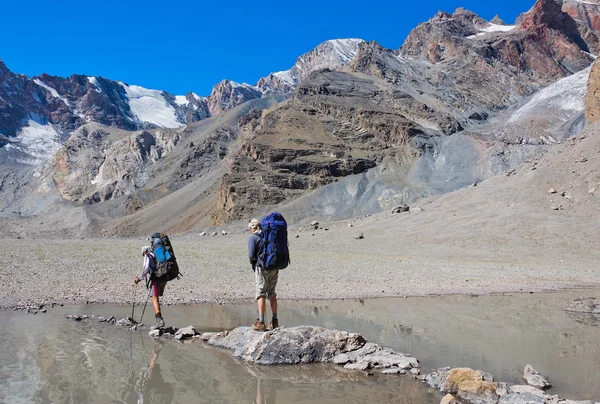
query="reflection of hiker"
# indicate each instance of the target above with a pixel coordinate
(265, 280)
(154, 388)
(156, 286)
(262, 396)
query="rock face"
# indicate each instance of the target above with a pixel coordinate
(427, 101)
(592, 98)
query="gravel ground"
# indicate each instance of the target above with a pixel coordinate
(326, 264)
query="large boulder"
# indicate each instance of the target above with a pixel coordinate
(304, 344)
(308, 344)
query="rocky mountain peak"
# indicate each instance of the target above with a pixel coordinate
(3, 68)
(497, 20)
(330, 54)
(228, 94)
(549, 13)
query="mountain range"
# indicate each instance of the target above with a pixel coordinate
(351, 129)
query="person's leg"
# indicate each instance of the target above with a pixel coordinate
(273, 301)
(157, 290)
(272, 284)
(156, 305)
(260, 283)
(262, 308)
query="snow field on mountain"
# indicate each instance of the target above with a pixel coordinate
(54, 93)
(38, 138)
(565, 95)
(150, 106)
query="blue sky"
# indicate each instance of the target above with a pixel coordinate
(182, 46)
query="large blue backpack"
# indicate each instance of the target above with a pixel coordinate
(274, 253)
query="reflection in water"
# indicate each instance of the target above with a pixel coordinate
(590, 319)
(151, 386)
(48, 359)
(265, 395)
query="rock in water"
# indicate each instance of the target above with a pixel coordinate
(185, 333)
(533, 378)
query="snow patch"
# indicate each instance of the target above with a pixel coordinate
(181, 100)
(150, 106)
(94, 81)
(587, 2)
(38, 139)
(493, 28)
(285, 76)
(566, 95)
(52, 91)
(345, 48)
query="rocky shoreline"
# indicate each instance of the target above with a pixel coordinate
(309, 344)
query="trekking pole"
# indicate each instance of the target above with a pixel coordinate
(133, 304)
(149, 293)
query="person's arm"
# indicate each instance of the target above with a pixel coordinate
(252, 251)
(148, 267)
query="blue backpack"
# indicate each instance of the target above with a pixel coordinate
(275, 253)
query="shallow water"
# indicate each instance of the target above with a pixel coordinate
(47, 358)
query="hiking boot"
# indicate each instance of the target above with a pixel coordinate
(159, 323)
(259, 326)
(274, 324)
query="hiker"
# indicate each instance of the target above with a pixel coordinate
(156, 286)
(265, 280)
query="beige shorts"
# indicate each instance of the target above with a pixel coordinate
(266, 281)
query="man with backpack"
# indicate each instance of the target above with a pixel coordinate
(156, 286)
(268, 253)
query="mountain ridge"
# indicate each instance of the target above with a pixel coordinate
(455, 105)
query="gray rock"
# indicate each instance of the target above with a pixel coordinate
(185, 333)
(584, 305)
(415, 371)
(523, 388)
(155, 333)
(125, 322)
(524, 398)
(286, 345)
(341, 359)
(437, 378)
(533, 378)
(314, 223)
(101, 319)
(401, 209)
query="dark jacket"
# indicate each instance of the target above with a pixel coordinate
(255, 243)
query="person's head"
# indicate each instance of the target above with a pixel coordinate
(145, 250)
(254, 226)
